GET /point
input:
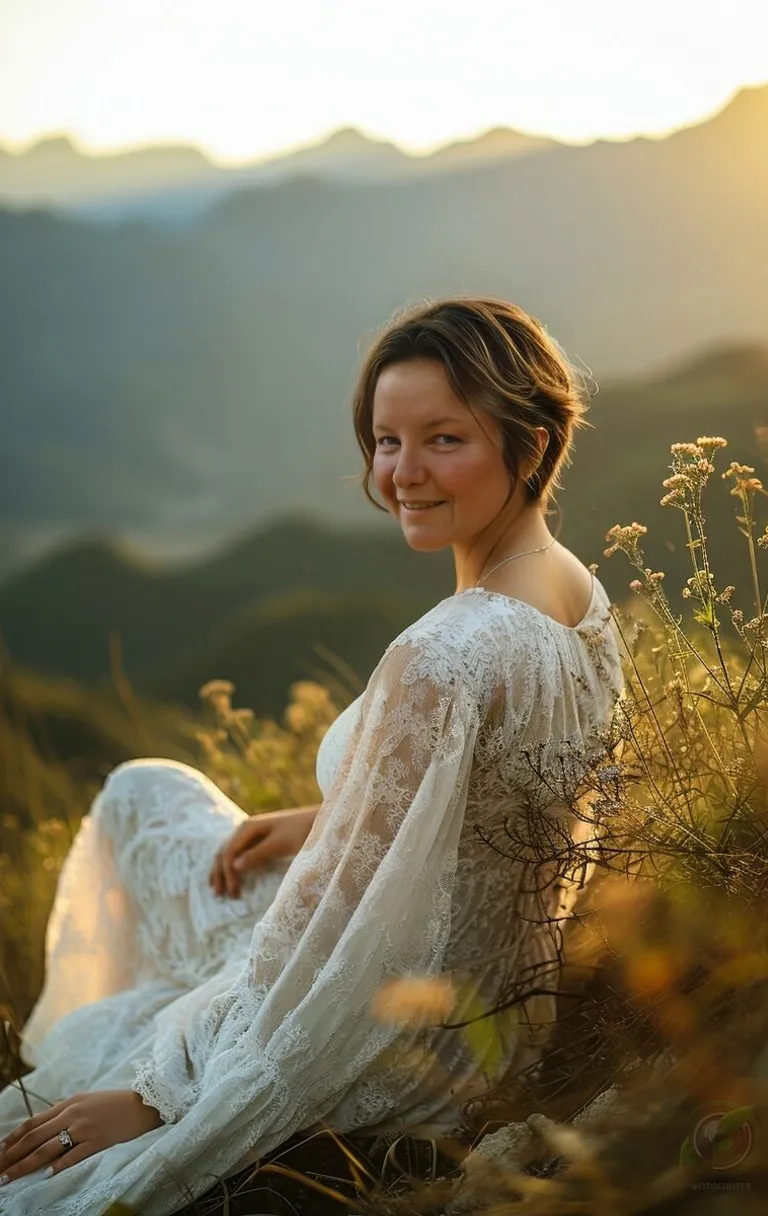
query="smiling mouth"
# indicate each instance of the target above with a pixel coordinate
(425, 507)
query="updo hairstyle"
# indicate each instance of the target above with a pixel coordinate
(499, 361)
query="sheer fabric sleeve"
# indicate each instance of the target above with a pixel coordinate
(366, 899)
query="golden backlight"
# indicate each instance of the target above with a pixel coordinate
(245, 79)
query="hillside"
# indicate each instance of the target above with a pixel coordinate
(254, 611)
(173, 383)
(251, 613)
(168, 184)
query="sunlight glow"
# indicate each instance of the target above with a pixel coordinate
(245, 80)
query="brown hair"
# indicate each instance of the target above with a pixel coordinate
(497, 359)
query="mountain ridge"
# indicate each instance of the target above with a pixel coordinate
(136, 174)
(182, 384)
(179, 622)
(86, 179)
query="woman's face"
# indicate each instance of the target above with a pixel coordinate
(431, 449)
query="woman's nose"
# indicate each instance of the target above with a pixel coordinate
(409, 469)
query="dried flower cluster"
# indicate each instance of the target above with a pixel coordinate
(259, 764)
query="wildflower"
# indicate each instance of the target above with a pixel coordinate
(757, 625)
(610, 772)
(625, 538)
(688, 474)
(752, 484)
(677, 485)
(413, 1001)
(725, 595)
(564, 1140)
(736, 470)
(314, 695)
(297, 719)
(674, 691)
(677, 479)
(700, 586)
(707, 441)
(675, 685)
(216, 688)
(209, 741)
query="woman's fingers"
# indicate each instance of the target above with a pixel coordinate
(45, 1155)
(9, 1147)
(231, 880)
(37, 1148)
(31, 1142)
(223, 878)
(216, 876)
(257, 855)
(78, 1153)
(247, 842)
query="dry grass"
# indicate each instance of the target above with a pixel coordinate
(665, 991)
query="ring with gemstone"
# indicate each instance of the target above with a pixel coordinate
(66, 1139)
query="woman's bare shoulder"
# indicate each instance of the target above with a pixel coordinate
(560, 586)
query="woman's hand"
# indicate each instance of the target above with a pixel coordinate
(261, 838)
(94, 1121)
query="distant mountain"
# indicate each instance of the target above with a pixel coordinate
(500, 143)
(179, 386)
(256, 611)
(346, 153)
(169, 184)
(54, 171)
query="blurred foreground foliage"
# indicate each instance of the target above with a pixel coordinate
(664, 998)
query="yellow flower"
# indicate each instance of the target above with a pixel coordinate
(414, 1001)
(737, 470)
(216, 688)
(707, 441)
(625, 537)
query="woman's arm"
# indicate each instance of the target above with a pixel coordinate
(367, 898)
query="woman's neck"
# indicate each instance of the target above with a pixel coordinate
(526, 532)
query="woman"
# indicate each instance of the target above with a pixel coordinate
(199, 1030)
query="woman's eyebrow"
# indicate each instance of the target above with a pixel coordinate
(425, 426)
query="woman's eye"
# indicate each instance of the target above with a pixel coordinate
(384, 438)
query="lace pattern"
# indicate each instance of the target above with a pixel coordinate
(244, 1022)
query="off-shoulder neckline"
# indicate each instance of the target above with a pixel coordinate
(511, 599)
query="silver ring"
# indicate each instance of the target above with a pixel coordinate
(66, 1139)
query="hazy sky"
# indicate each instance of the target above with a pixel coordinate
(248, 78)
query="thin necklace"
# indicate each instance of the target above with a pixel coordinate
(512, 558)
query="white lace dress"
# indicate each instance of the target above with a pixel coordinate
(245, 1021)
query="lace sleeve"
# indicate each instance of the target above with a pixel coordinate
(366, 899)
